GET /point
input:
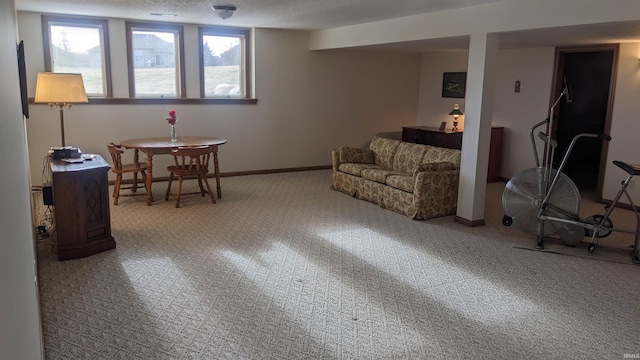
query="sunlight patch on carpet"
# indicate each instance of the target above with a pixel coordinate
(470, 295)
(336, 309)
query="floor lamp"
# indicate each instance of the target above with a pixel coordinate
(60, 91)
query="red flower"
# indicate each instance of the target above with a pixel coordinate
(172, 119)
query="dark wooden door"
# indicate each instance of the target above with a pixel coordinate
(588, 74)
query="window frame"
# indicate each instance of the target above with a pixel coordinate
(131, 26)
(78, 21)
(245, 39)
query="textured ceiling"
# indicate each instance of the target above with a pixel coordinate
(285, 14)
(324, 14)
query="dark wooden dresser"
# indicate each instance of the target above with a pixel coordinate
(453, 140)
(81, 205)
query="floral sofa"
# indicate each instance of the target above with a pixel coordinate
(419, 181)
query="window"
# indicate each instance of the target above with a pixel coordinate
(79, 45)
(224, 62)
(155, 57)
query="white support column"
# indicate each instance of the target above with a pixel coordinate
(20, 331)
(483, 49)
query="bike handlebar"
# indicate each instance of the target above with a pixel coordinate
(603, 137)
(573, 143)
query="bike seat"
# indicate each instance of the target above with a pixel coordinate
(630, 169)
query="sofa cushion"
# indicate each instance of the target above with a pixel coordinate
(402, 182)
(355, 168)
(408, 156)
(378, 175)
(438, 154)
(383, 150)
(355, 155)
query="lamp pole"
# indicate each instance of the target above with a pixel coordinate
(62, 125)
(61, 107)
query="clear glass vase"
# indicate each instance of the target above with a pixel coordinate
(174, 135)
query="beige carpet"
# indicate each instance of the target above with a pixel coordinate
(283, 267)
(603, 253)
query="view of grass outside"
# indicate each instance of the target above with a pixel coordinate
(92, 78)
(156, 82)
(155, 64)
(215, 76)
(159, 81)
(222, 57)
(77, 49)
(162, 81)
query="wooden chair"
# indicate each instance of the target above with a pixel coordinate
(190, 162)
(119, 168)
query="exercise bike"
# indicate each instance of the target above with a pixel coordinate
(543, 201)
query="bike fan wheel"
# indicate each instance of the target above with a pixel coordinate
(523, 195)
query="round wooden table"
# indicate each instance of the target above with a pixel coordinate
(163, 145)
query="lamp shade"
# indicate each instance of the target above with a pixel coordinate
(456, 111)
(60, 88)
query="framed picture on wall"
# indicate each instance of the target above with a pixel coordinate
(22, 74)
(454, 84)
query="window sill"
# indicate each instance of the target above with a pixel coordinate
(151, 101)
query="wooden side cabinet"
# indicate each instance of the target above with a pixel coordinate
(432, 136)
(453, 140)
(81, 205)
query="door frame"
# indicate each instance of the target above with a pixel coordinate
(558, 85)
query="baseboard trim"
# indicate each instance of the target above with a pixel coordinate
(239, 173)
(469, 223)
(274, 171)
(608, 202)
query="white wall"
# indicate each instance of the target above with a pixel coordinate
(19, 316)
(507, 16)
(517, 112)
(625, 127)
(433, 108)
(308, 102)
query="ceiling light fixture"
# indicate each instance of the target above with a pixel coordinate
(224, 11)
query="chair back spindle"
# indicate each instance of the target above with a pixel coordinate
(190, 162)
(119, 168)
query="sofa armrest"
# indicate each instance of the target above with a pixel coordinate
(437, 180)
(335, 158)
(436, 193)
(355, 155)
(438, 166)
